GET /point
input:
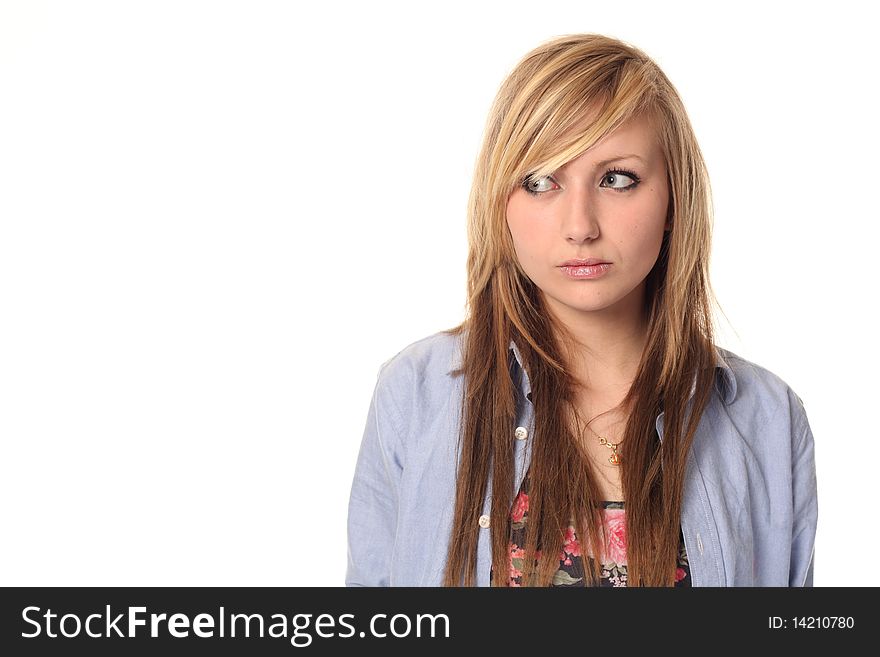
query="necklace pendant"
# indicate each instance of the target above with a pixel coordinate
(614, 459)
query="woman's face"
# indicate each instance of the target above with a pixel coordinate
(608, 204)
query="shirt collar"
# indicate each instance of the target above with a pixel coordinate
(725, 381)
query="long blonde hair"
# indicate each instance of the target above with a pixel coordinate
(533, 128)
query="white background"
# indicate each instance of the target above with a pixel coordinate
(217, 219)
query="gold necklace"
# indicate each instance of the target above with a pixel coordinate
(614, 459)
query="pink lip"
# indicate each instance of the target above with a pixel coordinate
(582, 272)
(583, 263)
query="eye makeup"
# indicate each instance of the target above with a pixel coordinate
(529, 181)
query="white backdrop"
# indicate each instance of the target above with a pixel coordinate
(217, 219)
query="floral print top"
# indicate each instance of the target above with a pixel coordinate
(571, 566)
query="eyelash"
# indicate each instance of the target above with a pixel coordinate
(626, 172)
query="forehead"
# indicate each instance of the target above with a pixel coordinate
(636, 136)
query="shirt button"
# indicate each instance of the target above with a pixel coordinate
(484, 521)
(521, 433)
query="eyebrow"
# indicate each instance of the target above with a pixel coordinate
(602, 163)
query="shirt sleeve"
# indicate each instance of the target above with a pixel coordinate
(373, 503)
(805, 503)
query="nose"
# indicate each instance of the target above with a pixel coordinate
(581, 222)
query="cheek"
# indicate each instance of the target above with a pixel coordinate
(645, 232)
(523, 229)
(529, 241)
(646, 242)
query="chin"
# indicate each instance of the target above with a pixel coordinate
(584, 296)
(588, 305)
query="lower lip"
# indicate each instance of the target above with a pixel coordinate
(588, 271)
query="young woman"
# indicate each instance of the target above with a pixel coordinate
(580, 427)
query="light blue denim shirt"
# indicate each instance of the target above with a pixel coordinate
(749, 510)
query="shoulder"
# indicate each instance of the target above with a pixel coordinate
(428, 356)
(420, 375)
(761, 393)
(417, 399)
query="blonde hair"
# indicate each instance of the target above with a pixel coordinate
(536, 125)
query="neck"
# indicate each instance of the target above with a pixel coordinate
(608, 343)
